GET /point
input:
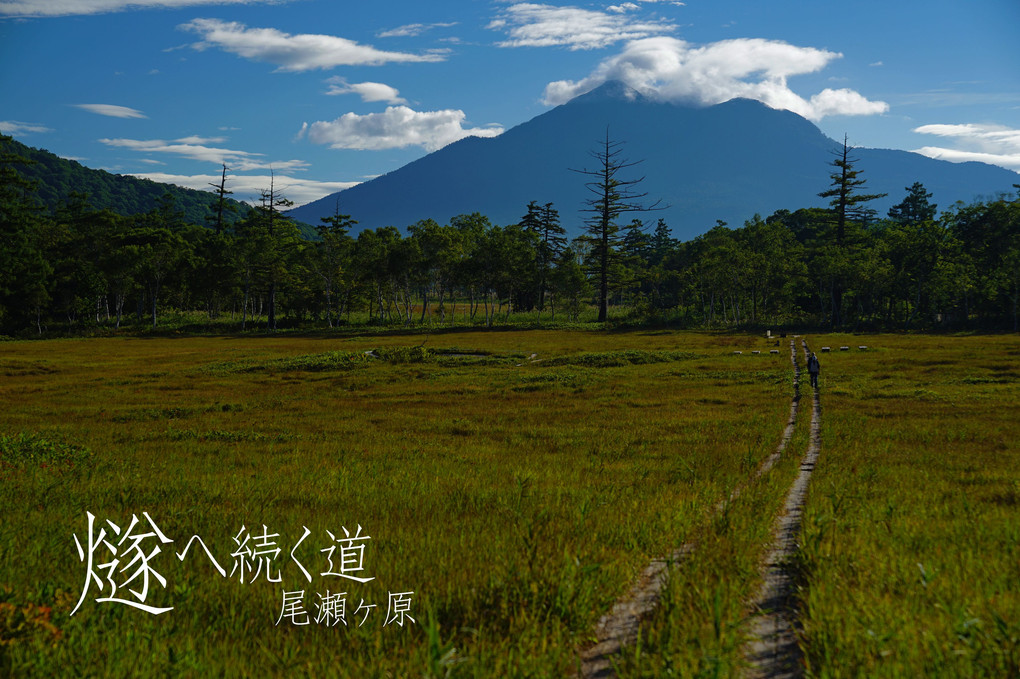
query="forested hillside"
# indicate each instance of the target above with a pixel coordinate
(56, 179)
(843, 267)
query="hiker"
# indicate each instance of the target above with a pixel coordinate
(814, 367)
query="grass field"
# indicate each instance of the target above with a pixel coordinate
(514, 481)
(911, 555)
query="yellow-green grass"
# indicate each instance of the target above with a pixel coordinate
(911, 556)
(517, 499)
(700, 626)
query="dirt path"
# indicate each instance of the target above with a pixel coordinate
(773, 651)
(620, 626)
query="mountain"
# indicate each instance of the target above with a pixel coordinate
(726, 162)
(57, 178)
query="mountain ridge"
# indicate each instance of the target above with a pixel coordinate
(57, 178)
(723, 162)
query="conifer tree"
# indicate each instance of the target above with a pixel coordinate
(612, 196)
(846, 202)
(847, 205)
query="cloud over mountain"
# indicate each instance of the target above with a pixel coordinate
(670, 69)
(995, 144)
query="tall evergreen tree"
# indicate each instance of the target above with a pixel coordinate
(847, 205)
(544, 222)
(611, 196)
(662, 241)
(281, 232)
(915, 208)
(846, 202)
(533, 219)
(332, 253)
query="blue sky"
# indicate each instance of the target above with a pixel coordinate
(330, 93)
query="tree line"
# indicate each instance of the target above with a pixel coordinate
(843, 266)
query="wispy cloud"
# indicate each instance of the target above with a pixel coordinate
(944, 98)
(302, 52)
(411, 30)
(54, 8)
(396, 127)
(993, 144)
(248, 187)
(111, 110)
(368, 91)
(195, 139)
(195, 148)
(535, 25)
(12, 127)
(670, 69)
(631, 6)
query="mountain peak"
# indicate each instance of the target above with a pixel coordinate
(611, 90)
(727, 161)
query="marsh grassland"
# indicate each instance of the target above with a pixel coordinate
(516, 482)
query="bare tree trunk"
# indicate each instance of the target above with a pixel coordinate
(244, 306)
(155, 295)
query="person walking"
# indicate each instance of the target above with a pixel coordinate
(814, 367)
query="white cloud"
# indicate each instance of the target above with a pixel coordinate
(112, 110)
(411, 30)
(989, 137)
(670, 69)
(193, 148)
(844, 102)
(368, 91)
(1010, 161)
(396, 127)
(534, 25)
(13, 127)
(194, 139)
(52, 8)
(620, 9)
(247, 187)
(303, 52)
(993, 144)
